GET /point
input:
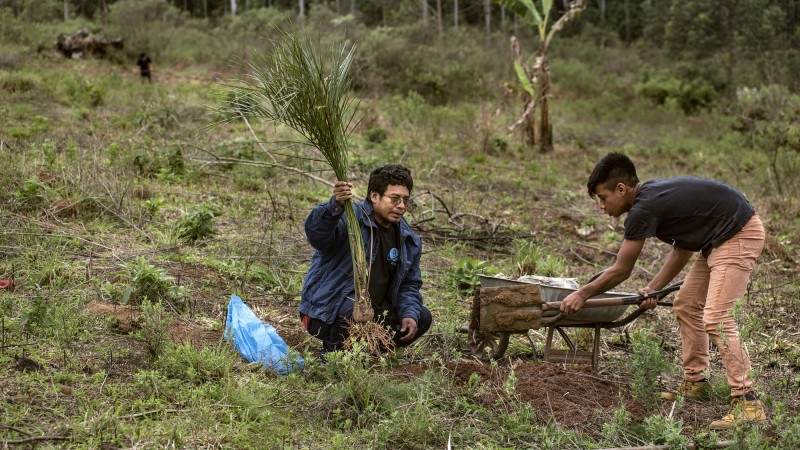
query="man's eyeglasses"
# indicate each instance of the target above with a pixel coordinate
(396, 199)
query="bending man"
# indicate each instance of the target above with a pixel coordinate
(693, 215)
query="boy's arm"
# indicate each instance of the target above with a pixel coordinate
(675, 262)
(628, 253)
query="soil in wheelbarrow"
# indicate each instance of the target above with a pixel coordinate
(569, 396)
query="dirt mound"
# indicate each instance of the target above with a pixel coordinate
(127, 320)
(570, 397)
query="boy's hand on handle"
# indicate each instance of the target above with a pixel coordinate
(648, 303)
(342, 191)
(573, 303)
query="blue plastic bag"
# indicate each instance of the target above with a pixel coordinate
(257, 341)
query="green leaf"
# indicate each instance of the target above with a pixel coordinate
(523, 78)
(525, 9)
(547, 5)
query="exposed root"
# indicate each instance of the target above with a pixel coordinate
(362, 310)
(375, 338)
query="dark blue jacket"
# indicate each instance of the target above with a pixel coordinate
(330, 278)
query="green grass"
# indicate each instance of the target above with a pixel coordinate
(137, 173)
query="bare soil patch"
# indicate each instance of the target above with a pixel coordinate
(568, 396)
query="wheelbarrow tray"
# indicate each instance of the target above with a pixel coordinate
(547, 294)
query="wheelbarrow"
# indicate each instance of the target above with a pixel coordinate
(502, 307)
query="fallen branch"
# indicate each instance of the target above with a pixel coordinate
(249, 162)
(9, 427)
(35, 439)
(68, 236)
(147, 413)
(30, 438)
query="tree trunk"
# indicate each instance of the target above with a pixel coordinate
(425, 13)
(455, 13)
(352, 6)
(602, 5)
(545, 127)
(205, 9)
(487, 14)
(338, 6)
(302, 6)
(233, 8)
(530, 131)
(439, 27)
(66, 10)
(627, 22)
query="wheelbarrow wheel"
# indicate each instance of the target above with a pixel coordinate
(487, 346)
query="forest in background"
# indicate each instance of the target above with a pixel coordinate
(730, 43)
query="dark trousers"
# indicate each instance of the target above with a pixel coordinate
(334, 334)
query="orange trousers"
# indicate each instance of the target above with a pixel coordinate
(704, 303)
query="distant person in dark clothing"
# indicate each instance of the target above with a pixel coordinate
(144, 67)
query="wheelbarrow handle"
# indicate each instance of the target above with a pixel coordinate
(616, 301)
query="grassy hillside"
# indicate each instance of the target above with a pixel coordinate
(125, 226)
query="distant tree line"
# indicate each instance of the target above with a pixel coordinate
(720, 40)
(687, 27)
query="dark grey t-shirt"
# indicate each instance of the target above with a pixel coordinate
(384, 267)
(687, 212)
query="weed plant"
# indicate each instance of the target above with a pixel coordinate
(531, 258)
(360, 397)
(645, 367)
(184, 362)
(465, 278)
(140, 280)
(197, 225)
(622, 431)
(155, 323)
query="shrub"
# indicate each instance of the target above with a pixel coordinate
(31, 195)
(376, 135)
(140, 281)
(690, 88)
(167, 164)
(530, 258)
(81, 91)
(358, 397)
(15, 82)
(160, 112)
(465, 276)
(155, 322)
(184, 362)
(197, 224)
(646, 365)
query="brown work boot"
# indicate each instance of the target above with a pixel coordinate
(695, 390)
(747, 409)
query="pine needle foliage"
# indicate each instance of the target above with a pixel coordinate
(311, 92)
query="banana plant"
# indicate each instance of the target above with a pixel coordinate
(535, 78)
